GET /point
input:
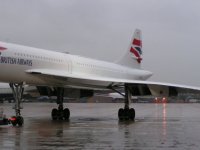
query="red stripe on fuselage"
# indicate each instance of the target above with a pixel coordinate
(2, 48)
(137, 42)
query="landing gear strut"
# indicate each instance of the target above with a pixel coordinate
(126, 113)
(60, 113)
(17, 90)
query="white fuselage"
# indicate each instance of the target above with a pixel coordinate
(16, 60)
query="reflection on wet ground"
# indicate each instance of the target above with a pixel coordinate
(95, 126)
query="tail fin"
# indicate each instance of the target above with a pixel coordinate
(133, 56)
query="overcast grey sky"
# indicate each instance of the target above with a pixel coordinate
(102, 29)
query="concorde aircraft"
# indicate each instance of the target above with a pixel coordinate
(22, 65)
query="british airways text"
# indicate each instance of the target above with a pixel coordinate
(18, 61)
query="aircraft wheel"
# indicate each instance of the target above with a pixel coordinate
(66, 114)
(126, 114)
(132, 114)
(54, 114)
(60, 115)
(121, 114)
(20, 120)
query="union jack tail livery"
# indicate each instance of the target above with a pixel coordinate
(136, 47)
(133, 56)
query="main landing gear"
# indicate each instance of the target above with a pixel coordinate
(17, 90)
(60, 113)
(126, 113)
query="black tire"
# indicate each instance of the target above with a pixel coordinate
(126, 114)
(60, 115)
(121, 114)
(132, 114)
(20, 121)
(54, 114)
(66, 114)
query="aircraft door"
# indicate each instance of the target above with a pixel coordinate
(69, 65)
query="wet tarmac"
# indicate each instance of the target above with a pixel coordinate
(95, 126)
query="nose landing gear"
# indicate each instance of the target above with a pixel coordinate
(17, 90)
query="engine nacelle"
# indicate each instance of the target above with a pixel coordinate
(68, 92)
(163, 91)
(78, 93)
(155, 90)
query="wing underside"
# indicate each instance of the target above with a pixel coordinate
(110, 81)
